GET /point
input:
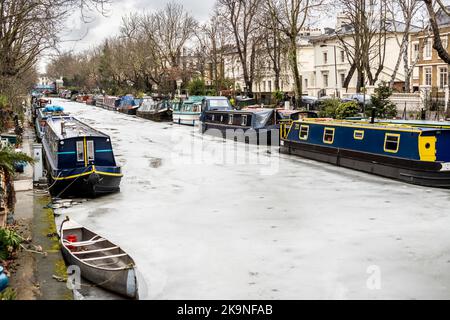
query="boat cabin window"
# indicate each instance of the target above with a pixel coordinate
(358, 135)
(304, 132)
(80, 151)
(392, 143)
(90, 150)
(231, 119)
(244, 120)
(328, 135)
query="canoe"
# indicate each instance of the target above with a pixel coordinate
(100, 261)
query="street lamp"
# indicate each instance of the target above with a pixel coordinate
(335, 68)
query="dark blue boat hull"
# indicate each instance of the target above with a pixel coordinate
(92, 182)
(415, 172)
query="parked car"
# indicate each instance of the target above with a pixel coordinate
(359, 98)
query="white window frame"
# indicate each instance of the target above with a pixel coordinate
(80, 155)
(428, 50)
(425, 76)
(444, 41)
(90, 146)
(244, 120)
(415, 53)
(442, 85)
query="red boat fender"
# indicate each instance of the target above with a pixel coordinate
(71, 238)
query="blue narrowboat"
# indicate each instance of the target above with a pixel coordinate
(412, 154)
(251, 125)
(129, 105)
(79, 159)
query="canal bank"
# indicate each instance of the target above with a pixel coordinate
(39, 270)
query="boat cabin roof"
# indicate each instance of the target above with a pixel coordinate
(73, 128)
(366, 125)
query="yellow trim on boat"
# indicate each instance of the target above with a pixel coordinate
(391, 135)
(325, 133)
(88, 173)
(85, 153)
(360, 133)
(337, 123)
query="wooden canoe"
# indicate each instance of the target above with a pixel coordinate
(100, 261)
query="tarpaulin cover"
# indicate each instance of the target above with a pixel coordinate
(53, 109)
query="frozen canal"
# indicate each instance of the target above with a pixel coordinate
(207, 219)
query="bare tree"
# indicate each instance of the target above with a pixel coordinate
(405, 12)
(28, 28)
(364, 37)
(241, 17)
(167, 33)
(432, 12)
(215, 42)
(291, 16)
(274, 42)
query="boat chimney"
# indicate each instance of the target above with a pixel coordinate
(372, 120)
(63, 128)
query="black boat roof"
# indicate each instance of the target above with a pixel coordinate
(73, 128)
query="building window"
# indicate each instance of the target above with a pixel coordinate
(80, 151)
(328, 135)
(342, 80)
(443, 77)
(306, 83)
(428, 50)
(428, 76)
(325, 57)
(444, 42)
(270, 86)
(264, 86)
(325, 80)
(342, 56)
(392, 143)
(358, 135)
(304, 132)
(416, 50)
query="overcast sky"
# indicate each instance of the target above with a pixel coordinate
(80, 36)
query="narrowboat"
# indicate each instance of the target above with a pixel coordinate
(109, 103)
(129, 105)
(156, 111)
(257, 125)
(79, 159)
(412, 154)
(82, 98)
(43, 114)
(188, 112)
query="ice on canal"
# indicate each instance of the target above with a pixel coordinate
(210, 219)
